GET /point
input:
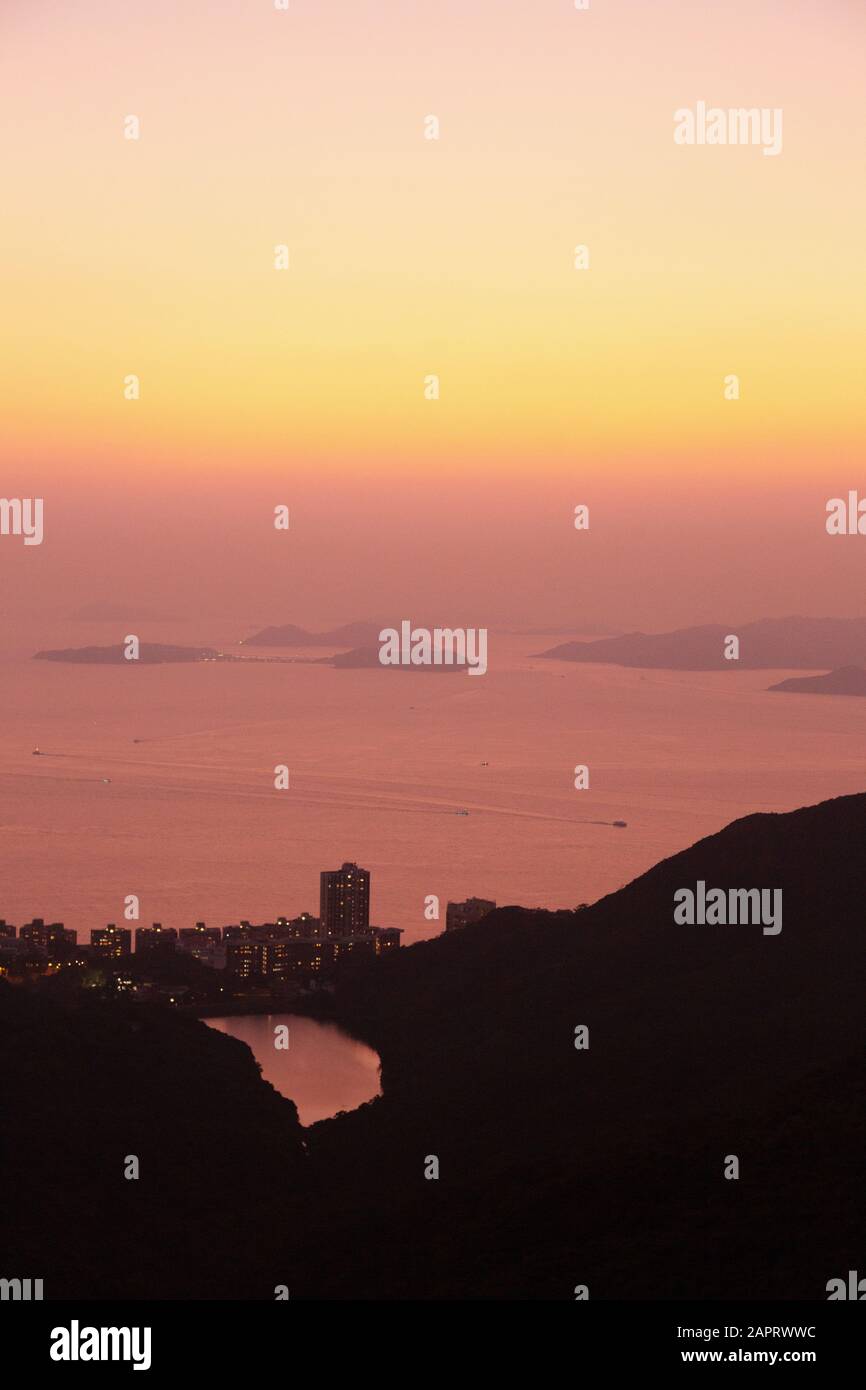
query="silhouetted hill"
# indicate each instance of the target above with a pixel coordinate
(83, 1086)
(605, 1166)
(847, 680)
(149, 653)
(349, 635)
(558, 1166)
(796, 643)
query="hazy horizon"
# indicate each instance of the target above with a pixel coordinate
(213, 556)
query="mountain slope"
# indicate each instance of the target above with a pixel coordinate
(605, 1166)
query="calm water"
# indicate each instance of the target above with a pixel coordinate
(322, 1070)
(380, 762)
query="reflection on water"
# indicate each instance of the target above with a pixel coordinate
(323, 1070)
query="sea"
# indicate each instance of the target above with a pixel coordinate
(159, 781)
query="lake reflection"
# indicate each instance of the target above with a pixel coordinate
(323, 1070)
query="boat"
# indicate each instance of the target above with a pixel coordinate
(36, 753)
(461, 813)
(621, 823)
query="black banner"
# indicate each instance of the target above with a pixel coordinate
(159, 1339)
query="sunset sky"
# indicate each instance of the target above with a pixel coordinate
(411, 256)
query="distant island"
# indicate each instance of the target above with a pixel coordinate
(367, 658)
(160, 653)
(846, 680)
(798, 643)
(349, 635)
(150, 654)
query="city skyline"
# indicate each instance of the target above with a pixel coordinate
(286, 954)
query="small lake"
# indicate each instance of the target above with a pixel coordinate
(323, 1070)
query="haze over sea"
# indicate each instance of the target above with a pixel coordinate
(380, 763)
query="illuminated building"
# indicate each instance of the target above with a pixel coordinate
(51, 937)
(111, 941)
(344, 903)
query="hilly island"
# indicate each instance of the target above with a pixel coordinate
(796, 643)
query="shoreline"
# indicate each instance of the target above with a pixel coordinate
(241, 1008)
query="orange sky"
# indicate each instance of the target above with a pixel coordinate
(409, 257)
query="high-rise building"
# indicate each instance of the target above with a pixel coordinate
(155, 938)
(50, 937)
(464, 914)
(246, 959)
(111, 941)
(345, 901)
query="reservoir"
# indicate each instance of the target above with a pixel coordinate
(323, 1070)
